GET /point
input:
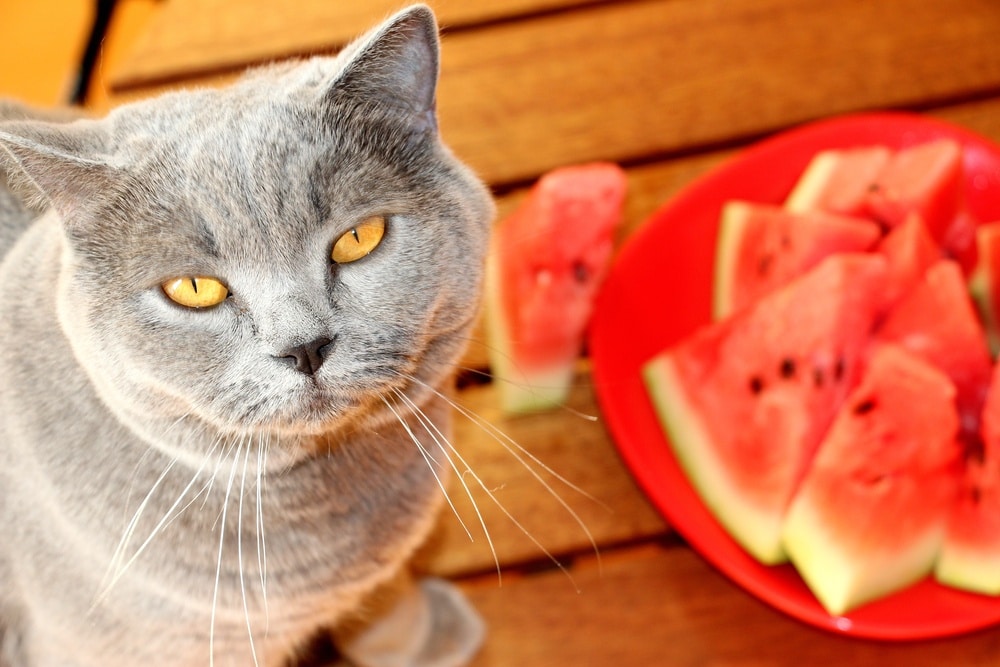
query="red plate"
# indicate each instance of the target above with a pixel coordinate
(659, 290)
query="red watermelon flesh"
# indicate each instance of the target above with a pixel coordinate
(910, 251)
(549, 257)
(970, 557)
(937, 321)
(870, 515)
(959, 242)
(839, 180)
(925, 179)
(984, 282)
(746, 400)
(762, 247)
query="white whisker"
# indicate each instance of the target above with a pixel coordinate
(239, 554)
(516, 450)
(218, 566)
(428, 426)
(261, 547)
(429, 460)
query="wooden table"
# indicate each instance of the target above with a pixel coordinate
(669, 89)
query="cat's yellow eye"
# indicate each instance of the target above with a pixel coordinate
(359, 241)
(196, 291)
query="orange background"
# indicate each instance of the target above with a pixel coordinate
(42, 41)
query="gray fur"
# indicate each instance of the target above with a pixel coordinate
(116, 403)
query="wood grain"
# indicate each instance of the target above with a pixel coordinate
(515, 458)
(201, 36)
(659, 605)
(631, 81)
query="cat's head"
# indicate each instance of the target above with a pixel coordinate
(273, 256)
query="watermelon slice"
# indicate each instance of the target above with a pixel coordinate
(925, 179)
(889, 186)
(870, 515)
(910, 251)
(548, 260)
(970, 557)
(762, 247)
(937, 321)
(985, 281)
(745, 401)
(839, 180)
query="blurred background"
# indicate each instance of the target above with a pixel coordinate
(43, 46)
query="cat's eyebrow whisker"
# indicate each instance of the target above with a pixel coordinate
(428, 459)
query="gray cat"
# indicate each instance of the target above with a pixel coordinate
(226, 351)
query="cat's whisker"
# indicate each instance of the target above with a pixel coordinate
(114, 567)
(429, 460)
(218, 566)
(522, 456)
(428, 425)
(118, 569)
(239, 554)
(259, 519)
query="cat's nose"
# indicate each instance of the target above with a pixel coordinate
(307, 358)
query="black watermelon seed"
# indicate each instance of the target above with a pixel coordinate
(864, 407)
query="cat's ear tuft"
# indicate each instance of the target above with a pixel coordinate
(396, 64)
(54, 164)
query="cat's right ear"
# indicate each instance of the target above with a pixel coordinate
(56, 164)
(395, 64)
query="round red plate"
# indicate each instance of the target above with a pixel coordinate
(659, 291)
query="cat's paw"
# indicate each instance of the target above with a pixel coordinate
(433, 625)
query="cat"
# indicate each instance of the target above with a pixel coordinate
(226, 346)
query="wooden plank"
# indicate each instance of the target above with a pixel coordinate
(602, 84)
(665, 606)
(200, 36)
(522, 97)
(570, 442)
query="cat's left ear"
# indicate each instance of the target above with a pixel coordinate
(395, 64)
(55, 164)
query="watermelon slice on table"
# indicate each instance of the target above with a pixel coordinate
(910, 251)
(985, 281)
(937, 321)
(549, 257)
(745, 401)
(870, 515)
(762, 247)
(839, 181)
(970, 557)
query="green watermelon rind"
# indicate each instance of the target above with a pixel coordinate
(732, 226)
(968, 569)
(840, 573)
(842, 581)
(758, 532)
(521, 390)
